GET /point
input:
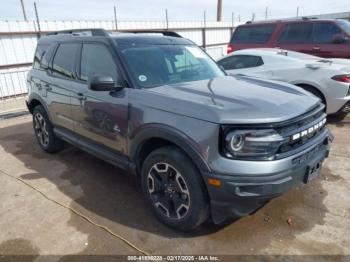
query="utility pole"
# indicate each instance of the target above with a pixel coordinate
(233, 19)
(205, 19)
(24, 11)
(115, 18)
(266, 12)
(298, 11)
(167, 19)
(219, 11)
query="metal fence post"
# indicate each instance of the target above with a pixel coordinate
(204, 31)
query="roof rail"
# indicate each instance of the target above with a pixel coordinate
(91, 31)
(163, 32)
(282, 20)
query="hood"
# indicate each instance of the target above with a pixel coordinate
(231, 100)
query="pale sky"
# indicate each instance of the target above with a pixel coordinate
(177, 9)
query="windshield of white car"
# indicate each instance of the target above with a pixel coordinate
(156, 65)
(345, 25)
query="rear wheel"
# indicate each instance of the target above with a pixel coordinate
(44, 131)
(337, 117)
(175, 189)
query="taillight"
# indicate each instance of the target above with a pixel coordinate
(342, 78)
(229, 48)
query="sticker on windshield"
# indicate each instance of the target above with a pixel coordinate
(196, 52)
(142, 78)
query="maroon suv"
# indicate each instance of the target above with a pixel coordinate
(320, 37)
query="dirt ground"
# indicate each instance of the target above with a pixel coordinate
(319, 212)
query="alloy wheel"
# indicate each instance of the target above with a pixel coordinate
(41, 130)
(168, 190)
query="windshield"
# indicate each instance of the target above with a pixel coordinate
(156, 65)
(345, 25)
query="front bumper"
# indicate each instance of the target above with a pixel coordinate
(240, 195)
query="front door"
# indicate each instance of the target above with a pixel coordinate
(324, 41)
(100, 116)
(297, 36)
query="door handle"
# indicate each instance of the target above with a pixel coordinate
(316, 48)
(81, 96)
(47, 87)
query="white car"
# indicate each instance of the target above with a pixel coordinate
(329, 79)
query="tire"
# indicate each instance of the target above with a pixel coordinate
(175, 189)
(43, 130)
(337, 117)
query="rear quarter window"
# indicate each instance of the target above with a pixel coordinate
(241, 62)
(39, 53)
(258, 34)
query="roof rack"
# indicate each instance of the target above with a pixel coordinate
(90, 31)
(282, 20)
(102, 32)
(163, 32)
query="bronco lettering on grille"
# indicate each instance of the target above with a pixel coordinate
(308, 131)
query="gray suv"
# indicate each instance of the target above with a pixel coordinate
(203, 144)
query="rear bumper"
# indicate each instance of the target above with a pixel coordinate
(240, 195)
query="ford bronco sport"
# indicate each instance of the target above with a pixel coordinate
(204, 144)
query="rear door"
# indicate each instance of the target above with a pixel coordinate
(324, 40)
(252, 36)
(100, 116)
(297, 36)
(58, 84)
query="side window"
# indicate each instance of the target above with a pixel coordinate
(64, 60)
(296, 33)
(40, 50)
(46, 57)
(96, 60)
(240, 62)
(324, 32)
(258, 34)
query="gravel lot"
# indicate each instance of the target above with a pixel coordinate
(31, 224)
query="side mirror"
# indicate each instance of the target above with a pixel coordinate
(103, 83)
(338, 39)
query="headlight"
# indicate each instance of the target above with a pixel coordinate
(253, 144)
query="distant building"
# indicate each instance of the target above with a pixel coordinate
(343, 15)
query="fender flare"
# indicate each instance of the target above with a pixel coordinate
(170, 134)
(35, 96)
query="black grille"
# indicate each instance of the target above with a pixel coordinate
(300, 124)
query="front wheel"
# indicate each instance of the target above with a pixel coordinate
(175, 189)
